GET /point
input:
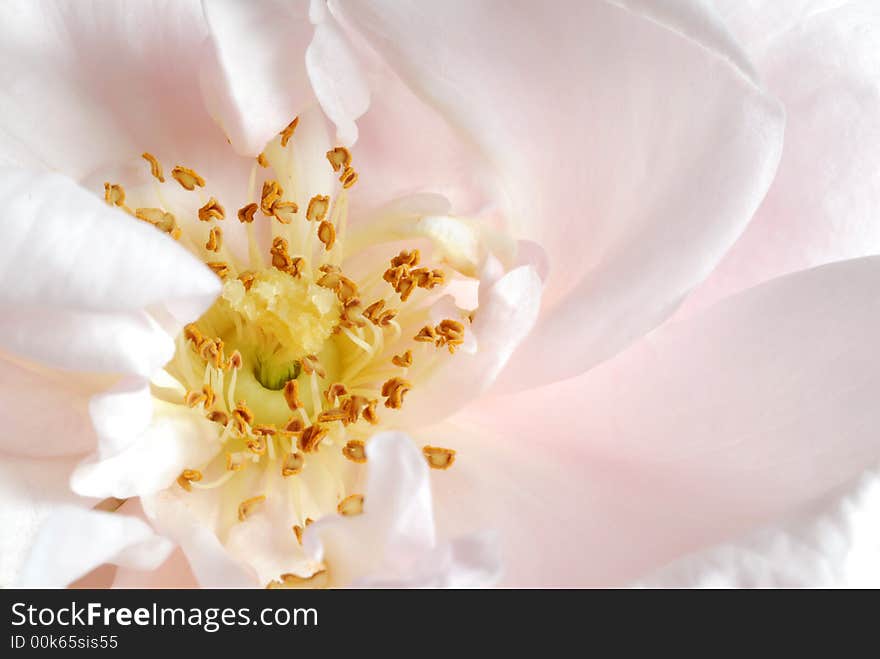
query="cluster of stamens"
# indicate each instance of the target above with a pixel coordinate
(333, 408)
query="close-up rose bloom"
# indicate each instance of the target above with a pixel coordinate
(399, 293)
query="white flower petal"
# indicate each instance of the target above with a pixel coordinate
(392, 542)
(29, 491)
(507, 312)
(44, 414)
(265, 541)
(146, 462)
(121, 413)
(405, 147)
(84, 85)
(397, 525)
(71, 541)
(821, 59)
(256, 68)
(833, 543)
(337, 79)
(470, 561)
(211, 564)
(704, 430)
(633, 150)
(87, 341)
(173, 573)
(63, 248)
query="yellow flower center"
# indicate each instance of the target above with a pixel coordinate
(298, 361)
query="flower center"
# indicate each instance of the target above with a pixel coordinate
(295, 359)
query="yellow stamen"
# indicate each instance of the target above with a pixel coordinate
(291, 395)
(438, 458)
(246, 507)
(369, 413)
(220, 268)
(318, 207)
(155, 166)
(188, 476)
(311, 365)
(191, 333)
(247, 279)
(311, 438)
(211, 211)
(235, 360)
(235, 461)
(339, 158)
(355, 450)
(243, 417)
(334, 391)
(349, 178)
(410, 258)
(449, 333)
(209, 396)
(194, 398)
(319, 579)
(114, 194)
(257, 445)
(426, 335)
(215, 240)
(352, 407)
(282, 260)
(334, 414)
(327, 235)
(218, 416)
(294, 425)
(160, 219)
(404, 361)
(395, 389)
(187, 177)
(271, 193)
(283, 211)
(246, 214)
(293, 465)
(287, 133)
(351, 505)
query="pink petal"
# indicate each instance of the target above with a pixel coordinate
(392, 543)
(270, 61)
(66, 250)
(89, 342)
(704, 430)
(30, 490)
(469, 561)
(337, 79)
(211, 564)
(507, 312)
(833, 543)
(121, 413)
(173, 573)
(140, 463)
(255, 68)
(634, 154)
(821, 60)
(72, 541)
(405, 146)
(45, 414)
(397, 525)
(88, 85)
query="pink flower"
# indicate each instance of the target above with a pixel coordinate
(463, 254)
